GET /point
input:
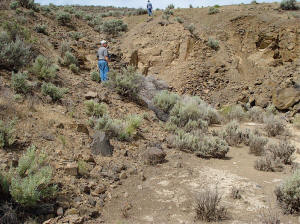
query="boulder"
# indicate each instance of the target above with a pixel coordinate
(90, 95)
(154, 156)
(285, 98)
(101, 144)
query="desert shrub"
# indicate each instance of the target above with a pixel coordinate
(205, 147)
(8, 214)
(168, 11)
(114, 27)
(19, 83)
(7, 133)
(43, 69)
(29, 4)
(79, 14)
(41, 29)
(296, 121)
(213, 44)
(208, 206)
(165, 100)
(13, 54)
(256, 114)
(88, 17)
(127, 83)
(288, 194)
(63, 18)
(257, 144)
(74, 68)
(282, 151)
(232, 134)
(83, 168)
(69, 59)
(233, 112)
(179, 20)
(95, 109)
(53, 91)
(30, 181)
(141, 11)
(64, 47)
(268, 163)
(191, 28)
(274, 125)
(171, 6)
(95, 22)
(95, 76)
(269, 215)
(254, 2)
(76, 35)
(288, 5)
(124, 130)
(14, 5)
(191, 6)
(213, 10)
(15, 30)
(236, 193)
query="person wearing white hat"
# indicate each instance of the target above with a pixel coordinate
(102, 55)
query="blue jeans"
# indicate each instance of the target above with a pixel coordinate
(149, 12)
(103, 69)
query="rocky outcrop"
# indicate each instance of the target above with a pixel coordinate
(101, 144)
(285, 98)
(154, 156)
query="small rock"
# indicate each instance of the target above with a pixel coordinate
(90, 95)
(101, 144)
(47, 136)
(83, 129)
(60, 211)
(71, 169)
(86, 189)
(126, 195)
(140, 187)
(154, 156)
(99, 190)
(123, 175)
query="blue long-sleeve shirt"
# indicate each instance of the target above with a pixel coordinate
(149, 5)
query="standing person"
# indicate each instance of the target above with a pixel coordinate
(149, 8)
(103, 59)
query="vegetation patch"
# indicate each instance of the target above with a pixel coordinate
(114, 27)
(289, 5)
(7, 133)
(274, 125)
(165, 100)
(95, 109)
(53, 91)
(19, 83)
(43, 68)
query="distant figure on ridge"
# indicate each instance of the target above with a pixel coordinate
(103, 59)
(149, 8)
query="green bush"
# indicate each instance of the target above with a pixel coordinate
(256, 114)
(69, 59)
(15, 31)
(43, 69)
(213, 44)
(257, 144)
(29, 4)
(30, 181)
(268, 163)
(171, 6)
(288, 194)
(95, 109)
(213, 10)
(95, 76)
(191, 28)
(124, 130)
(19, 83)
(165, 100)
(282, 151)
(127, 83)
(63, 18)
(14, 5)
(41, 29)
(76, 35)
(53, 91)
(114, 27)
(83, 168)
(64, 47)
(180, 20)
(288, 5)
(74, 68)
(274, 125)
(79, 14)
(7, 133)
(232, 134)
(233, 112)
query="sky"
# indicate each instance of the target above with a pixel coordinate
(142, 3)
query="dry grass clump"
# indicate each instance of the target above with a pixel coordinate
(269, 216)
(95, 109)
(274, 125)
(268, 163)
(7, 133)
(8, 215)
(288, 194)
(208, 206)
(30, 182)
(123, 130)
(165, 100)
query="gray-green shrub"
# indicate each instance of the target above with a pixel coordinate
(288, 194)
(30, 181)
(127, 83)
(282, 151)
(95, 76)
(213, 44)
(64, 47)
(41, 29)
(213, 10)
(233, 112)
(14, 5)
(19, 82)
(274, 125)
(53, 91)
(114, 27)
(29, 4)
(268, 163)
(232, 133)
(74, 68)
(95, 109)
(63, 18)
(7, 133)
(165, 100)
(288, 5)
(179, 20)
(257, 144)
(256, 114)
(69, 59)
(76, 35)
(43, 68)
(191, 28)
